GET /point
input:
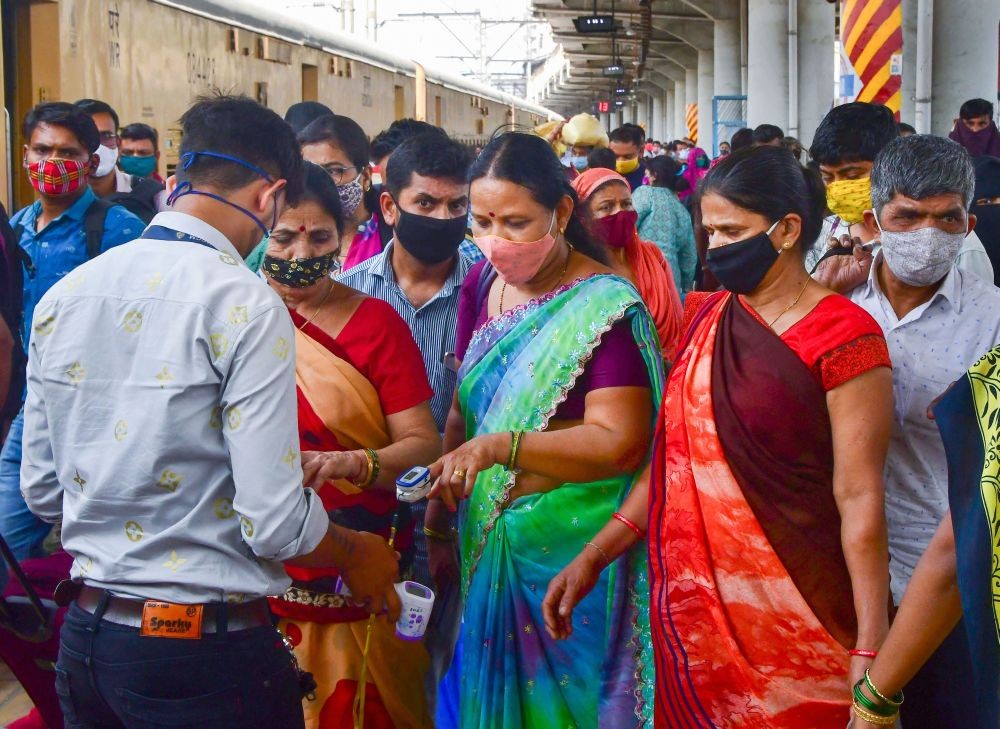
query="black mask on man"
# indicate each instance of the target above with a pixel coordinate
(430, 240)
(741, 266)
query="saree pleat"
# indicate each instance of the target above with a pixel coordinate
(518, 369)
(736, 642)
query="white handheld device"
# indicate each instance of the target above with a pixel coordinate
(418, 601)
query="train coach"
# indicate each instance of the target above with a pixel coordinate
(150, 58)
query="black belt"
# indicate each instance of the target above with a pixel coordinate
(122, 611)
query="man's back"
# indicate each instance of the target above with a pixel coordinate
(155, 371)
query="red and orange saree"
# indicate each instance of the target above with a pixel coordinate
(751, 605)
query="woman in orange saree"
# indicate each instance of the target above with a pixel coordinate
(767, 547)
(364, 419)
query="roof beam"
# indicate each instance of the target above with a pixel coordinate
(546, 10)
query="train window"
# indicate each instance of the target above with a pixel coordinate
(349, 68)
(480, 126)
(437, 110)
(234, 40)
(270, 49)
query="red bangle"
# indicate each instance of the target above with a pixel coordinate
(863, 653)
(630, 524)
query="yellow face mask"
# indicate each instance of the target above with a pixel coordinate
(848, 199)
(626, 166)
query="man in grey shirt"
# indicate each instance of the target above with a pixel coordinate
(160, 429)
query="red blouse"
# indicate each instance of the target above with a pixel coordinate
(837, 340)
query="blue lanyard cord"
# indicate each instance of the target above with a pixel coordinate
(161, 232)
(189, 158)
(185, 188)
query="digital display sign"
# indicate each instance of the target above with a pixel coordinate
(603, 107)
(594, 23)
(614, 70)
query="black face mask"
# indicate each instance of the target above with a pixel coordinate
(741, 266)
(429, 240)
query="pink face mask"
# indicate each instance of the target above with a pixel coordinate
(517, 262)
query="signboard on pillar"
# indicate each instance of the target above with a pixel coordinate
(871, 37)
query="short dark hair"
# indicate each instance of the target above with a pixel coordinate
(769, 181)
(976, 107)
(629, 134)
(854, 132)
(602, 157)
(767, 133)
(95, 106)
(138, 130)
(386, 141)
(904, 127)
(320, 189)
(665, 170)
(68, 116)
(341, 131)
(238, 126)
(741, 138)
(431, 155)
(302, 114)
(528, 160)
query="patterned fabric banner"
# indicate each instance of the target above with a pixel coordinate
(871, 33)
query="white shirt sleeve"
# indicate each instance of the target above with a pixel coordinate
(279, 518)
(39, 480)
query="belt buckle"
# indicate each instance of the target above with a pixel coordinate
(171, 620)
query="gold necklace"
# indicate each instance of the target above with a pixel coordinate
(569, 254)
(792, 305)
(318, 308)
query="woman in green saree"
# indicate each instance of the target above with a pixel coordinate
(561, 376)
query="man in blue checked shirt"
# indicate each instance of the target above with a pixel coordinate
(58, 157)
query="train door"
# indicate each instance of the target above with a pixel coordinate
(31, 40)
(310, 82)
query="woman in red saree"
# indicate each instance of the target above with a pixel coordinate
(767, 545)
(364, 418)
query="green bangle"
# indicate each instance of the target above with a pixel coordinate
(868, 704)
(896, 700)
(515, 446)
(374, 467)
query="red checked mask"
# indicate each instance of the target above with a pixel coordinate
(56, 176)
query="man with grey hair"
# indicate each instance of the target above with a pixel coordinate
(938, 320)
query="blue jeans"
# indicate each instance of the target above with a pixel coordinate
(22, 530)
(108, 676)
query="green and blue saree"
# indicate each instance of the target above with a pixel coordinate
(518, 368)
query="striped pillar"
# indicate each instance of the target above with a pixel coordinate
(871, 33)
(691, 117)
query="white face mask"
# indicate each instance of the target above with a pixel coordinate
(920, 257)
(107, 157)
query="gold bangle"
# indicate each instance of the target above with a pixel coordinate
(376, 466)
(872, 718)
(450, 536)
(515, 446)
(363, 483)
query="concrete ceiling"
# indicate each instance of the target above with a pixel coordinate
(654, 41)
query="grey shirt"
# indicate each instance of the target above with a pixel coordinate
(161, 423)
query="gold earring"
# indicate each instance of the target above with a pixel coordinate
(788, 244)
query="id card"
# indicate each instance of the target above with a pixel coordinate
(169, 620)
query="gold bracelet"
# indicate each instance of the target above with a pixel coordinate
(607, 560)
(450, 536)
(515, 446)
(872, 718)
(376, 466)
